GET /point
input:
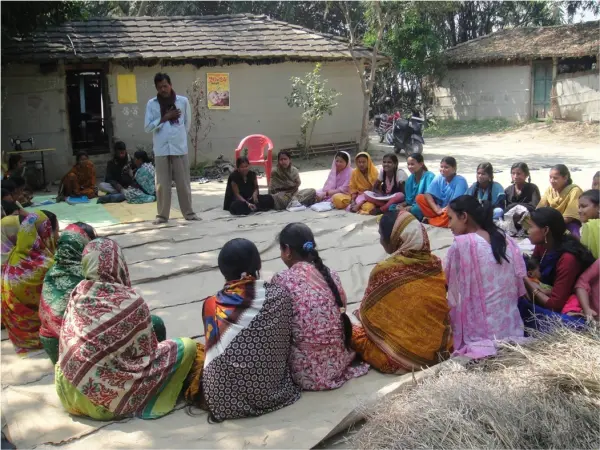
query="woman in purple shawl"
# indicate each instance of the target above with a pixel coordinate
(338, 180)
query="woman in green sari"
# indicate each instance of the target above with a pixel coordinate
(60, 280)
(285, 184)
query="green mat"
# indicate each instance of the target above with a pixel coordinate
(91, 213)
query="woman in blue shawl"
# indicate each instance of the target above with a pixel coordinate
(486, 189)
(444, 188)
(418, 183)
(143, 189)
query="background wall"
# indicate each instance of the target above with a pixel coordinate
(258, 105)
(485, 92)
(578, 96)
(35, 105)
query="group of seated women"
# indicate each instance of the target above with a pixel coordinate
(267, 341)
(367, 190)
(127, 179)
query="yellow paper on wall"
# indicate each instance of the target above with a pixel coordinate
(126, 88)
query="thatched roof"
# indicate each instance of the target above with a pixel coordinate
(564, 41)
(191, 37)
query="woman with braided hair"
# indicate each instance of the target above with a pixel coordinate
(321, 358)
(485, 189)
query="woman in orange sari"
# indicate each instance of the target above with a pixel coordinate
(404, 314)
(81, 179)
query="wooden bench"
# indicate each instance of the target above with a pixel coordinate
(325, 149)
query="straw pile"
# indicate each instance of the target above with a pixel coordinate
(543, 394)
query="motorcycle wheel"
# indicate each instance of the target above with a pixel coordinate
(414, 147)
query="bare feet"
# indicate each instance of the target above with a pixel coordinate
(193, 217)
(159, 221)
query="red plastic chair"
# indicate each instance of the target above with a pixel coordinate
(255, 144)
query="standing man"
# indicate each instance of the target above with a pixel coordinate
(168, 118)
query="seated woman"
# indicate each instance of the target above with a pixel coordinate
(22, 194)
(143, 186)
(587, 293)
(23, 276)
(563, 196)
(404, 313)
(248, 330)
(418, 182)
(362, 179)
(59, 282)
(9, 229)
(321, 358)
(242, 195)
(112, 363)
(562, 260)
(338, 180)
(484, 272)
(389, 182)
(486, 189)
(589, 215)
(285, 182)
(81, 179)
(522, 197)
(444, 188)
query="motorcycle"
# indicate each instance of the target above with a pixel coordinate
(407, 135)
(384, 123)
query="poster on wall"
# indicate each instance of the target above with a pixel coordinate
(126, 89)
(217, 86)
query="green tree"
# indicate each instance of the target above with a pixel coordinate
(22, 18)
(311, 95)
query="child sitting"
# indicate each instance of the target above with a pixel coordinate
(389, 183)
(533, 273)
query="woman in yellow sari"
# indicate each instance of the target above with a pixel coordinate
(563, 196)
(23, 277)
(363, 178)
(404, 314)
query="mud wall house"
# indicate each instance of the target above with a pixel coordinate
(524, 73)
(65, 87)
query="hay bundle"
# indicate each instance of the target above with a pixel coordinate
(543, 394)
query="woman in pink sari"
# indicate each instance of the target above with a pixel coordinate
(338, 181)
(484, 273)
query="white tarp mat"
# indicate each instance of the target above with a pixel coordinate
(175, 268)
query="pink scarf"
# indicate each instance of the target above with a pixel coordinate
(338, 181)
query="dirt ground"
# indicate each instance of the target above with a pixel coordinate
(174, 267)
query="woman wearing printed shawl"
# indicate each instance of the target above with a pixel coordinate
(248, 329)
(9, 229)
(404, 313)
(285, 182)
(444, 188)
(111, 364)
(61, 279)
(23, 277)
(338, 181)
(143, 189)
(363, 178)
(563, 196)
